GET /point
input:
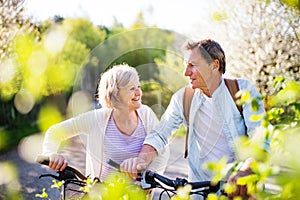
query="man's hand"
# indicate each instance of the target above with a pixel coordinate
(131, 166)
(57, 162)
(245, 170)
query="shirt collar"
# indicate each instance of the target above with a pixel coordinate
(219, 90)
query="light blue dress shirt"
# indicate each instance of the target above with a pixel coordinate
(234, 124)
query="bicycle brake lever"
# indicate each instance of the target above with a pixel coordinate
(147, 176)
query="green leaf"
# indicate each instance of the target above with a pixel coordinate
(277, 81)
(254, 105)
(245, 95)
(256, 118)
(43, 195)
(250, 179)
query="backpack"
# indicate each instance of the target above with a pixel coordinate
(232, 86)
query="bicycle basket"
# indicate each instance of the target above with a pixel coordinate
(73, 189)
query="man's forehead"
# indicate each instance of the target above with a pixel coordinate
(187, 55)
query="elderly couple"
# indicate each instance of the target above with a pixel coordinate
(129, 132)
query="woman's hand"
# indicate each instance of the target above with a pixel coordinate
(57, 162)
(131, 166)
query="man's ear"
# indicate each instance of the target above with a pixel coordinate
(216, 64)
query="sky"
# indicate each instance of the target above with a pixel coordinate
(178, 15)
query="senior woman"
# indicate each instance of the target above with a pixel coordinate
(116, 131)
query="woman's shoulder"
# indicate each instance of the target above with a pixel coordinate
(145, 111)
(100, 112)
(145, 108)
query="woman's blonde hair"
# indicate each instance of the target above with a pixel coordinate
(117, 77)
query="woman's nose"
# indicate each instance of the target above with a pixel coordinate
(138, 91)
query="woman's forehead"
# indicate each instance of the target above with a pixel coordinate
(133, 81)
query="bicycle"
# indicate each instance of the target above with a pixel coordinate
(73, 180)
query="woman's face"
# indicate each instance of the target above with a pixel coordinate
(131, 96)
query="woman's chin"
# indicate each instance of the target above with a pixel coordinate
(137, 105)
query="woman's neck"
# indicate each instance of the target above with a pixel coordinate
(124, 114)
(126, 121)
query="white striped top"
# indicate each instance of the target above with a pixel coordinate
(118, 146)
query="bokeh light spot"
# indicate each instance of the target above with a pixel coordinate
(24, 101)
(7, 71)
(37, 63)
(55, 40)
(8, 173)
(80, 102)
(30, 147)
(48, 116)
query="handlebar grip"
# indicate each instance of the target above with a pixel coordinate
(113, 164)
(148, 180)
(44, 160)
(202, 184)
(117, 166)
(165, 180)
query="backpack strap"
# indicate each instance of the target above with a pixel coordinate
(187, 101)
(233, 87)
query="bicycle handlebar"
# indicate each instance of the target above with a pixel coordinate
(150, 176)
(44, 160)
(147, 178)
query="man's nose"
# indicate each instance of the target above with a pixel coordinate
(187, 71)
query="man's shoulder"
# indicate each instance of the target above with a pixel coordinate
(178, 95)
(181, 91)
(244, 83)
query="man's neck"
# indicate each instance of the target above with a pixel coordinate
(213, 87)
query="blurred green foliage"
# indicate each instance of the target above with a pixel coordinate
(46, 66)
(115, 186)
(276, 165)
(42, 65)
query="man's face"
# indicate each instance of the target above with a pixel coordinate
(200, 73)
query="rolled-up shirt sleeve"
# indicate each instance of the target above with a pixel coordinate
(169, 123)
